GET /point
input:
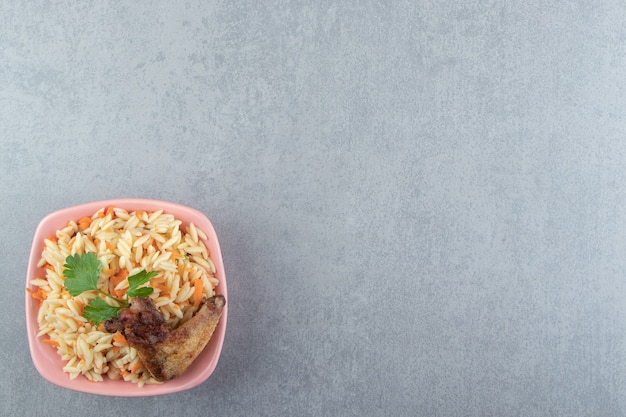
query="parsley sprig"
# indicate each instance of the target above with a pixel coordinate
(82, 273)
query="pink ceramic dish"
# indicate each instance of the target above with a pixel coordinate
(45, 357)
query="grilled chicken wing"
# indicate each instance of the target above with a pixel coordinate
(166, 353)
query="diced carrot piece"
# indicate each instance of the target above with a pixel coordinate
(120, 339)
(110, 210)
(84, 222)
(198, 288)
(161, 287)
(119, 277)
(176, 255)
(81, 306)
(38, 294)
(136, 367)
(116, 279)
(51, 342)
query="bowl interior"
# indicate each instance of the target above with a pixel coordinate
(45, 357)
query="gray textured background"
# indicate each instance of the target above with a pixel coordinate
(420, 205)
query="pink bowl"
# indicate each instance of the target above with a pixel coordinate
(45, 357)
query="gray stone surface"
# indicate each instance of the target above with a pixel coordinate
(420, 203)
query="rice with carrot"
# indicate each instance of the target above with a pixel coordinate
(126, 243)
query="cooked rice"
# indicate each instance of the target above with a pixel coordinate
(122, 241)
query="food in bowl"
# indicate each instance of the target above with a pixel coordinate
(177, 282)
(165, 352)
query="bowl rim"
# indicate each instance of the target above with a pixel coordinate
(48, 362)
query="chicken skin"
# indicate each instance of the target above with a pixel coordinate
(165, 352)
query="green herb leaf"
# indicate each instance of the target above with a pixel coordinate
(82, 273)
(142, 292)
(140, 278)
(98, 311)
